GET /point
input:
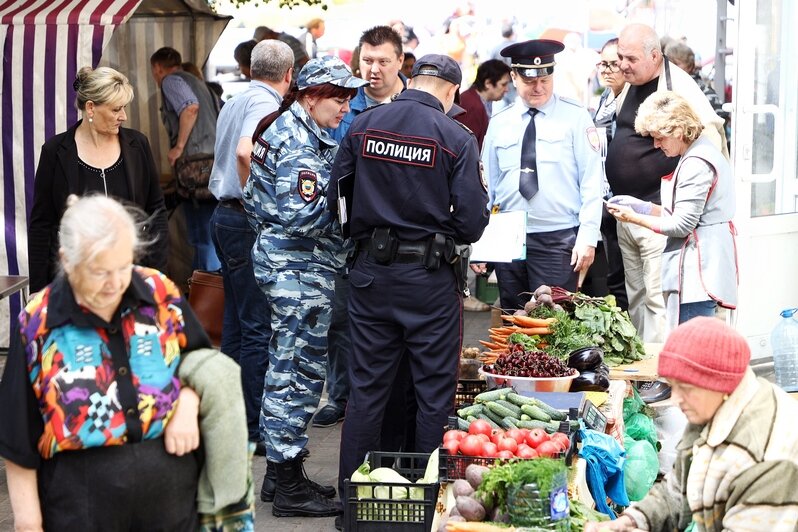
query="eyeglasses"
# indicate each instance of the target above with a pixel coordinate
(612, 66)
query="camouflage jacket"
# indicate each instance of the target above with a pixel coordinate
(286, 198)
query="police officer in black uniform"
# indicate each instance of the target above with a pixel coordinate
(418, 200)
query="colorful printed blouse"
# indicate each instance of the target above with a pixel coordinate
(97, 383)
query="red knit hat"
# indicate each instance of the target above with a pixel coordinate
(707, 353)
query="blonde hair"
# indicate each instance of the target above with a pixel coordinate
(666, 113)
(101, 85)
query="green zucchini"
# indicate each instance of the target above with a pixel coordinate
(534, 424)
(501, 410)
(520, 400)
(509, 423)
(471, 419)
(493, 424)
(555, 414)
(535, 413)
(492, 395)
(462, 424)
(525, 417)
(472, 410)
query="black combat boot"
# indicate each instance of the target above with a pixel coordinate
(294, 496)
(270, 479)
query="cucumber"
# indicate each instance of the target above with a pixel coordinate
(471, 419)
(555, 414)
(493, 424)
(525, 417)
(534, 424)
(509, 423)
(493, 416)
(462, 424)
(492, 395)
(520, 400)
(509, 406)
(472, 410)
(500, 410)
(535, 413)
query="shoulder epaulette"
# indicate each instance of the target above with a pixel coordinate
(570, 100)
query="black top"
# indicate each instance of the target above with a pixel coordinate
(634, 166)
(21, 423)
(108, 181)
(416, 171)
(58, 175)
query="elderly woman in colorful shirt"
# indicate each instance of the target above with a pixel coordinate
(95, 427)
(737, 463)
(699, 263)
(298, 251)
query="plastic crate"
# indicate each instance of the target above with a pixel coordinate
(370, 514)
(467, 389)
(453, 466)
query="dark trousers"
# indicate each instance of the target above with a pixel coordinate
(395, 311)
(124, 488)
(548, 261)
(247, 317)
(616, 281)
(339, 346)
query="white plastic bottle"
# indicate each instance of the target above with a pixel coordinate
(784, 340)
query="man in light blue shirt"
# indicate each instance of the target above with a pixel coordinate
(247, 331)
(561, 165)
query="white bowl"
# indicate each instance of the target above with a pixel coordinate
(529, 384)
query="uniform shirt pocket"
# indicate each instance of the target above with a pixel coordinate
(508, 152)
(553, 143)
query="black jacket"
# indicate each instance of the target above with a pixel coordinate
(57, 178)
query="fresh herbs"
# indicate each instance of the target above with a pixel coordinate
(498, 482)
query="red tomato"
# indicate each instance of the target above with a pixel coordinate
(516, 434)
(536, 437)
(455, 435)
(562, 440)
(496, 436)
(526, 452)
(482, 437)
(508, 444)
(506, 455)
(480, 426)
(489, 449)
(452, 446)
(471, 445)
(548, 449)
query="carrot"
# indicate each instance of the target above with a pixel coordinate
(490, 345)
(526, 321)
(535, 330)
(502, 341)
(508, 317)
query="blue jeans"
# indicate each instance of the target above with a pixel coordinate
(198, 226)
(247, 316)
(339, 346)
(688, 311)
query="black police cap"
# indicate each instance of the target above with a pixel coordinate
(535, 58)
(440, 66)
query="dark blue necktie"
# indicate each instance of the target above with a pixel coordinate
(528, 180)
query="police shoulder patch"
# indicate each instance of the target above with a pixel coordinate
(482, 180)
(593, 138)
(307, 185)
(259, 150)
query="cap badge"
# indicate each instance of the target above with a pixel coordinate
(536, 61)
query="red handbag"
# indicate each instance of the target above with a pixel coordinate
(206, 297)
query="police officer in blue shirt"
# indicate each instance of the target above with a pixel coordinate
(418, 202)
(541, 155)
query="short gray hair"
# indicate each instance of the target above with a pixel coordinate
(271, 59)
(101, 85)
(92, 224)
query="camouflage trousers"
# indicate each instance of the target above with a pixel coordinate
(301, 305)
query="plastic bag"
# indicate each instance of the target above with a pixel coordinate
(641, 427)
(605, 466)
(632, 405)
(641, 468)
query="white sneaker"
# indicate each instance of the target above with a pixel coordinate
(473, 304)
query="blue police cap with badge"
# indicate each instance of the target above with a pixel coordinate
(533, 59)
(328, 69)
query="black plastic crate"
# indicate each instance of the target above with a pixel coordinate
(453, 466)
(372, 514)
(467, 390)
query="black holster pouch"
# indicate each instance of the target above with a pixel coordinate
(383, 245)
(436, 249)
(458, 256)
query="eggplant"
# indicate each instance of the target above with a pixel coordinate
(586, 359)
(590, 381)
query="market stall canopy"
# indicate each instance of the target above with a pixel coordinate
(44, 43)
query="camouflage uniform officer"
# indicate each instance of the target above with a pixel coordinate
(297, 253)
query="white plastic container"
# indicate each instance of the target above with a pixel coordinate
(784, 340)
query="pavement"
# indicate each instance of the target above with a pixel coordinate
(321, 466)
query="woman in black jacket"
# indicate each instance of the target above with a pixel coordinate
(96, 154)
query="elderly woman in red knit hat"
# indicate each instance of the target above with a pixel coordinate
(737, 463)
